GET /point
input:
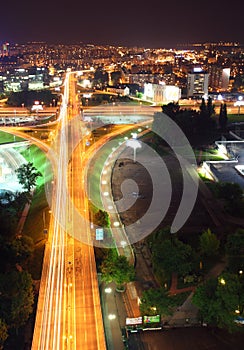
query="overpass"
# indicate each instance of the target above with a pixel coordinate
(119, 113)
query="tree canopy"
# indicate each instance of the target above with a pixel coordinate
(172, 255)
(101, 218)
(231, 193)
(3, 333)
(235, 251)
(16, 297)
(27, 175)
(220, 300)
(116, 268)
(28, 98)
(209, 243)
(223, 118)
(193, 123)
(157, 301)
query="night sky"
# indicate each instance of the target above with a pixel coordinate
(156, 23)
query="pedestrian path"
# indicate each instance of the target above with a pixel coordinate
(114, 315)
(187, 313)
(173, 288)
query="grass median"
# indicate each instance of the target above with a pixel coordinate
(37, 220)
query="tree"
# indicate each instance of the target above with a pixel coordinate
(27, 175)
(232, 195)
(235, 251)
(210, 108)
(223, 119)
(220, 300)
(171, 109)
(22, 248)
(116, 77)
(8, 221)
(16, 297)
(101, 218)
(157, 301)
(203, 108)
(209, 244)
(229, 191)
(3, 333)
(172, 255)
(116, 268)
(158, 236)
(15, 251)
(100, 77)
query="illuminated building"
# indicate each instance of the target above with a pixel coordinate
(197, 83)
(219, 78)
(161, 93)
(5, 49)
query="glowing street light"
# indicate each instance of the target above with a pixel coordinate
(111, 316)
(123, 243)
(222, 281)
(134, 143)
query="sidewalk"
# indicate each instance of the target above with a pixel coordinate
(23, 219)
(174, 290)
(113, 306)
(187, 314)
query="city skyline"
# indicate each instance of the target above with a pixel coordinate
(121, 175)
(160, 25)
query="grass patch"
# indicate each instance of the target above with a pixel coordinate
(232, 118)
(37, 218)
(33, 154)
(94, 173)
(5, 137)
(38, 215)
(95, 170)
(207, 155)
(34, 224)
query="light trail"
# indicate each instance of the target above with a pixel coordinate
(64, 299)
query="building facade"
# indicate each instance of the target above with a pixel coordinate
(197, 83)
(160, 94)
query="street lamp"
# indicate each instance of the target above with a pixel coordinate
(222, 281)
(134, 143)
(239, 103)
(123, 244)
(111, 316)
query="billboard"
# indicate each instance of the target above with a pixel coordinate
(133, 321)
(99, 234)
(151, 319)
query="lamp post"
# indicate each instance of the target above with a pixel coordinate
(133, 143)
(239, 103)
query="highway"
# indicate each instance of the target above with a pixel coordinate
(68, 311)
